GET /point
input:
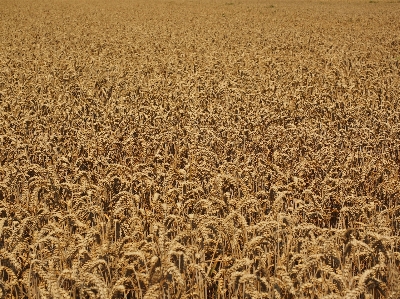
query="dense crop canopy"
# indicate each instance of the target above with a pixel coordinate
(199, 149)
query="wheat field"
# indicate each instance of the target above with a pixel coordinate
(199, 149)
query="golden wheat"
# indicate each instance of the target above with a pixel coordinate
(199, 149)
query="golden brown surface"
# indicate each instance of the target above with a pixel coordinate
(192, 149)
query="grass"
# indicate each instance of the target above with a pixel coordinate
(158, 150)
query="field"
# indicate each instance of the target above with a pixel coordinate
(199, 149)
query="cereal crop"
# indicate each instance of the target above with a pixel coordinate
(199, 149)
